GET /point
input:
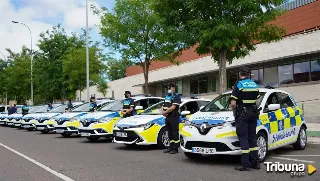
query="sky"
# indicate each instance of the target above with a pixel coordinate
(41, 15)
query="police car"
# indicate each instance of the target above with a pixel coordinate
(4, 116)
(33, 112)
(68, 123)
(212, 130)
(45, 122)
(148, 128)
(101, 123)
(15, 118)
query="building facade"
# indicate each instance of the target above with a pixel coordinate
(292, 64)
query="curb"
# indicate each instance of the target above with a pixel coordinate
(313, 133)
(314, 140)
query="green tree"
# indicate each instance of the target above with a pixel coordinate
(225, 29)
(53, 45)
(18, 76)
(116, 69)
(3, 80)
(74, 68)
(136, 31)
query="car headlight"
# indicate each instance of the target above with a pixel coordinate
(145, 126)
(105, 120)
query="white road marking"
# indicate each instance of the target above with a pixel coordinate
(306, 161)
(60, 175)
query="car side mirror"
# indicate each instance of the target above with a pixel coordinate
(273, 107)
(201, 107)
(184, 113)
(139, 108)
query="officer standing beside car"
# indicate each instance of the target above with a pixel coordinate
(93, 104)
(170, 110)
(128, 105)
(25, 109)
(243, 101)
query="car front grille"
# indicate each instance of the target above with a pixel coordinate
(87, 131)
(217, 145)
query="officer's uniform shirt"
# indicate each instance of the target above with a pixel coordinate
(92, 106)
(245, 92)
(127, 104)
(172, 99)
(25, 109)
(49, 108)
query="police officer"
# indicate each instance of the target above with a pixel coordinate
(128, 105)
(243, 101)
(170, 110)
(49, 107)
(93, 104)
(25, 109)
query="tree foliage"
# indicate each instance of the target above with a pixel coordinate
(136, 31)
(116, 69)
(225, 29)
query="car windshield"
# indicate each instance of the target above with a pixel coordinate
(83, 108)
(59, 109)
(153, 110)
(19, 110)
(113, 106)
(40, 109)
(34, 109)
(222, 103)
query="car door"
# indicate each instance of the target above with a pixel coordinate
(268, 119)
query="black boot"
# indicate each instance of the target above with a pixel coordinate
(241, 168)
(168, 150)
(174, 148)
(255, 166)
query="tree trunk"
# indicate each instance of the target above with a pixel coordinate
(222, 71)
(146, 77)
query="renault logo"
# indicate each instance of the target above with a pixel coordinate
(85, 121)
(203, 127)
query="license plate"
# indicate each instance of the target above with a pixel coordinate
(203, 150)
(85, 134)
(40, 128)
(1, 122)
(121, 134)
(26, 126)
(10, 123)
(59, 130)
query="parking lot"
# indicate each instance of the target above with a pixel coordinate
(34, 156)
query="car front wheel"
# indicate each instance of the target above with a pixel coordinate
(301, 142)
(262, 143)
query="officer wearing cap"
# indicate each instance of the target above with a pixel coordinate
(25, 109)
(243, 101)
(93, 104)
(128, 105)
(170, 110)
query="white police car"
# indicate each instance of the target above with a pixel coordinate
(15, 118)
(149, 128)
(4, 117)
(212, 130)
(101, 123)
(68, 123)
(45, 122)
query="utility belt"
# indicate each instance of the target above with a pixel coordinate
(241, 110)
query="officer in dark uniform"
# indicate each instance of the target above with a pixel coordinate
(93, 104)
(49, 107)
(243, 101)
(170, 110)
(25, 109)
(128, 105)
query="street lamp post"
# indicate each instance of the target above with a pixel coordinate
(30, 59)
(87, 52)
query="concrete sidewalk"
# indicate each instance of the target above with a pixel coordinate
(313, 132)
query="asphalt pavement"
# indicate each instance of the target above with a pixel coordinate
(33, 156)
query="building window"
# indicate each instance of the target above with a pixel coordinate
(232, 79)
(285, 74)
(315, 70)
(270, 76)
(212, 84)
(202, 85)
(257, 76)
(194, 86)
(301, 72)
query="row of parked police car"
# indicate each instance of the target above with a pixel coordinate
(206, 127)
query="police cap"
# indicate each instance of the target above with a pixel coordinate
(244, 70)
(127, 92)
